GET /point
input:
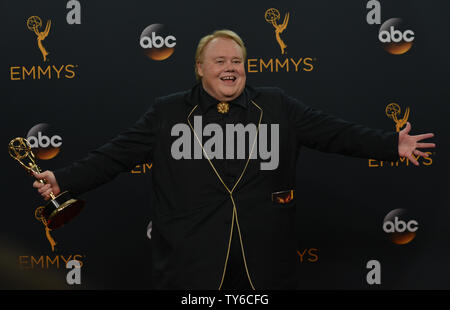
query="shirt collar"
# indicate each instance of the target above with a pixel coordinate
(207, 101)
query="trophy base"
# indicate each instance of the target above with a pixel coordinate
(61, 210)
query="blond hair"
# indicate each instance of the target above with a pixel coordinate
(224, 33)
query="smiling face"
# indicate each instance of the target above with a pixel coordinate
(221, 68)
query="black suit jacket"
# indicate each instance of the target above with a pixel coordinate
(194, 214)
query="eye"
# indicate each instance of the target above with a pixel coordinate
(237, 61)
(220, 61)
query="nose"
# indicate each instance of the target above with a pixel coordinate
(229, 67)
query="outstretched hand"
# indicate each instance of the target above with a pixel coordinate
(409, 145)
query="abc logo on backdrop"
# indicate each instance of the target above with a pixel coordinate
(158, 43)
(396, 39)
(44, 141)
(400, 227)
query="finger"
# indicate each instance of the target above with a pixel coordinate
(46, 195)
(407, 128)
(44, 188)
(419, 153)
(425, 145)
(38, 175)
(42, 176)
(413, 160)
(424, 136)
(37, 184)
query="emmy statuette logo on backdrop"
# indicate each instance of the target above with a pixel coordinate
(392, 111)
(272, 16)
(34, 23)
(279, 63)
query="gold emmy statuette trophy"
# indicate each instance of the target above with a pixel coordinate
(60, 209)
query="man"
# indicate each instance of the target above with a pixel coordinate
(222, 222)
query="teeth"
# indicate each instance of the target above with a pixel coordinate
(229, 78)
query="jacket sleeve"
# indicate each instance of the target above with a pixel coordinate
(129, 148)
(326, 133)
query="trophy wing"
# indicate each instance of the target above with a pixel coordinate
(47, 28)
(285, 22)
(405, 118)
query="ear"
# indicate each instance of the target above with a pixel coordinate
(199, 69)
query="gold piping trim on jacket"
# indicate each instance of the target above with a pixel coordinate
(231, 195)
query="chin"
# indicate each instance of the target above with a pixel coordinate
(230, 96)
(232, 93)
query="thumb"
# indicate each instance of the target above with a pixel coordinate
(407, 128)
(41, 175)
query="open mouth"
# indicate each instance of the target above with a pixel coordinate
(228, 79)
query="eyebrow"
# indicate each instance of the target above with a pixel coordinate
(234, 57)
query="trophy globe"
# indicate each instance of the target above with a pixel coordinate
(272, 15)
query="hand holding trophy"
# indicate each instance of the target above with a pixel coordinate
(61, 208)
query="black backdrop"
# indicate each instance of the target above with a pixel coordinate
(345, 199)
